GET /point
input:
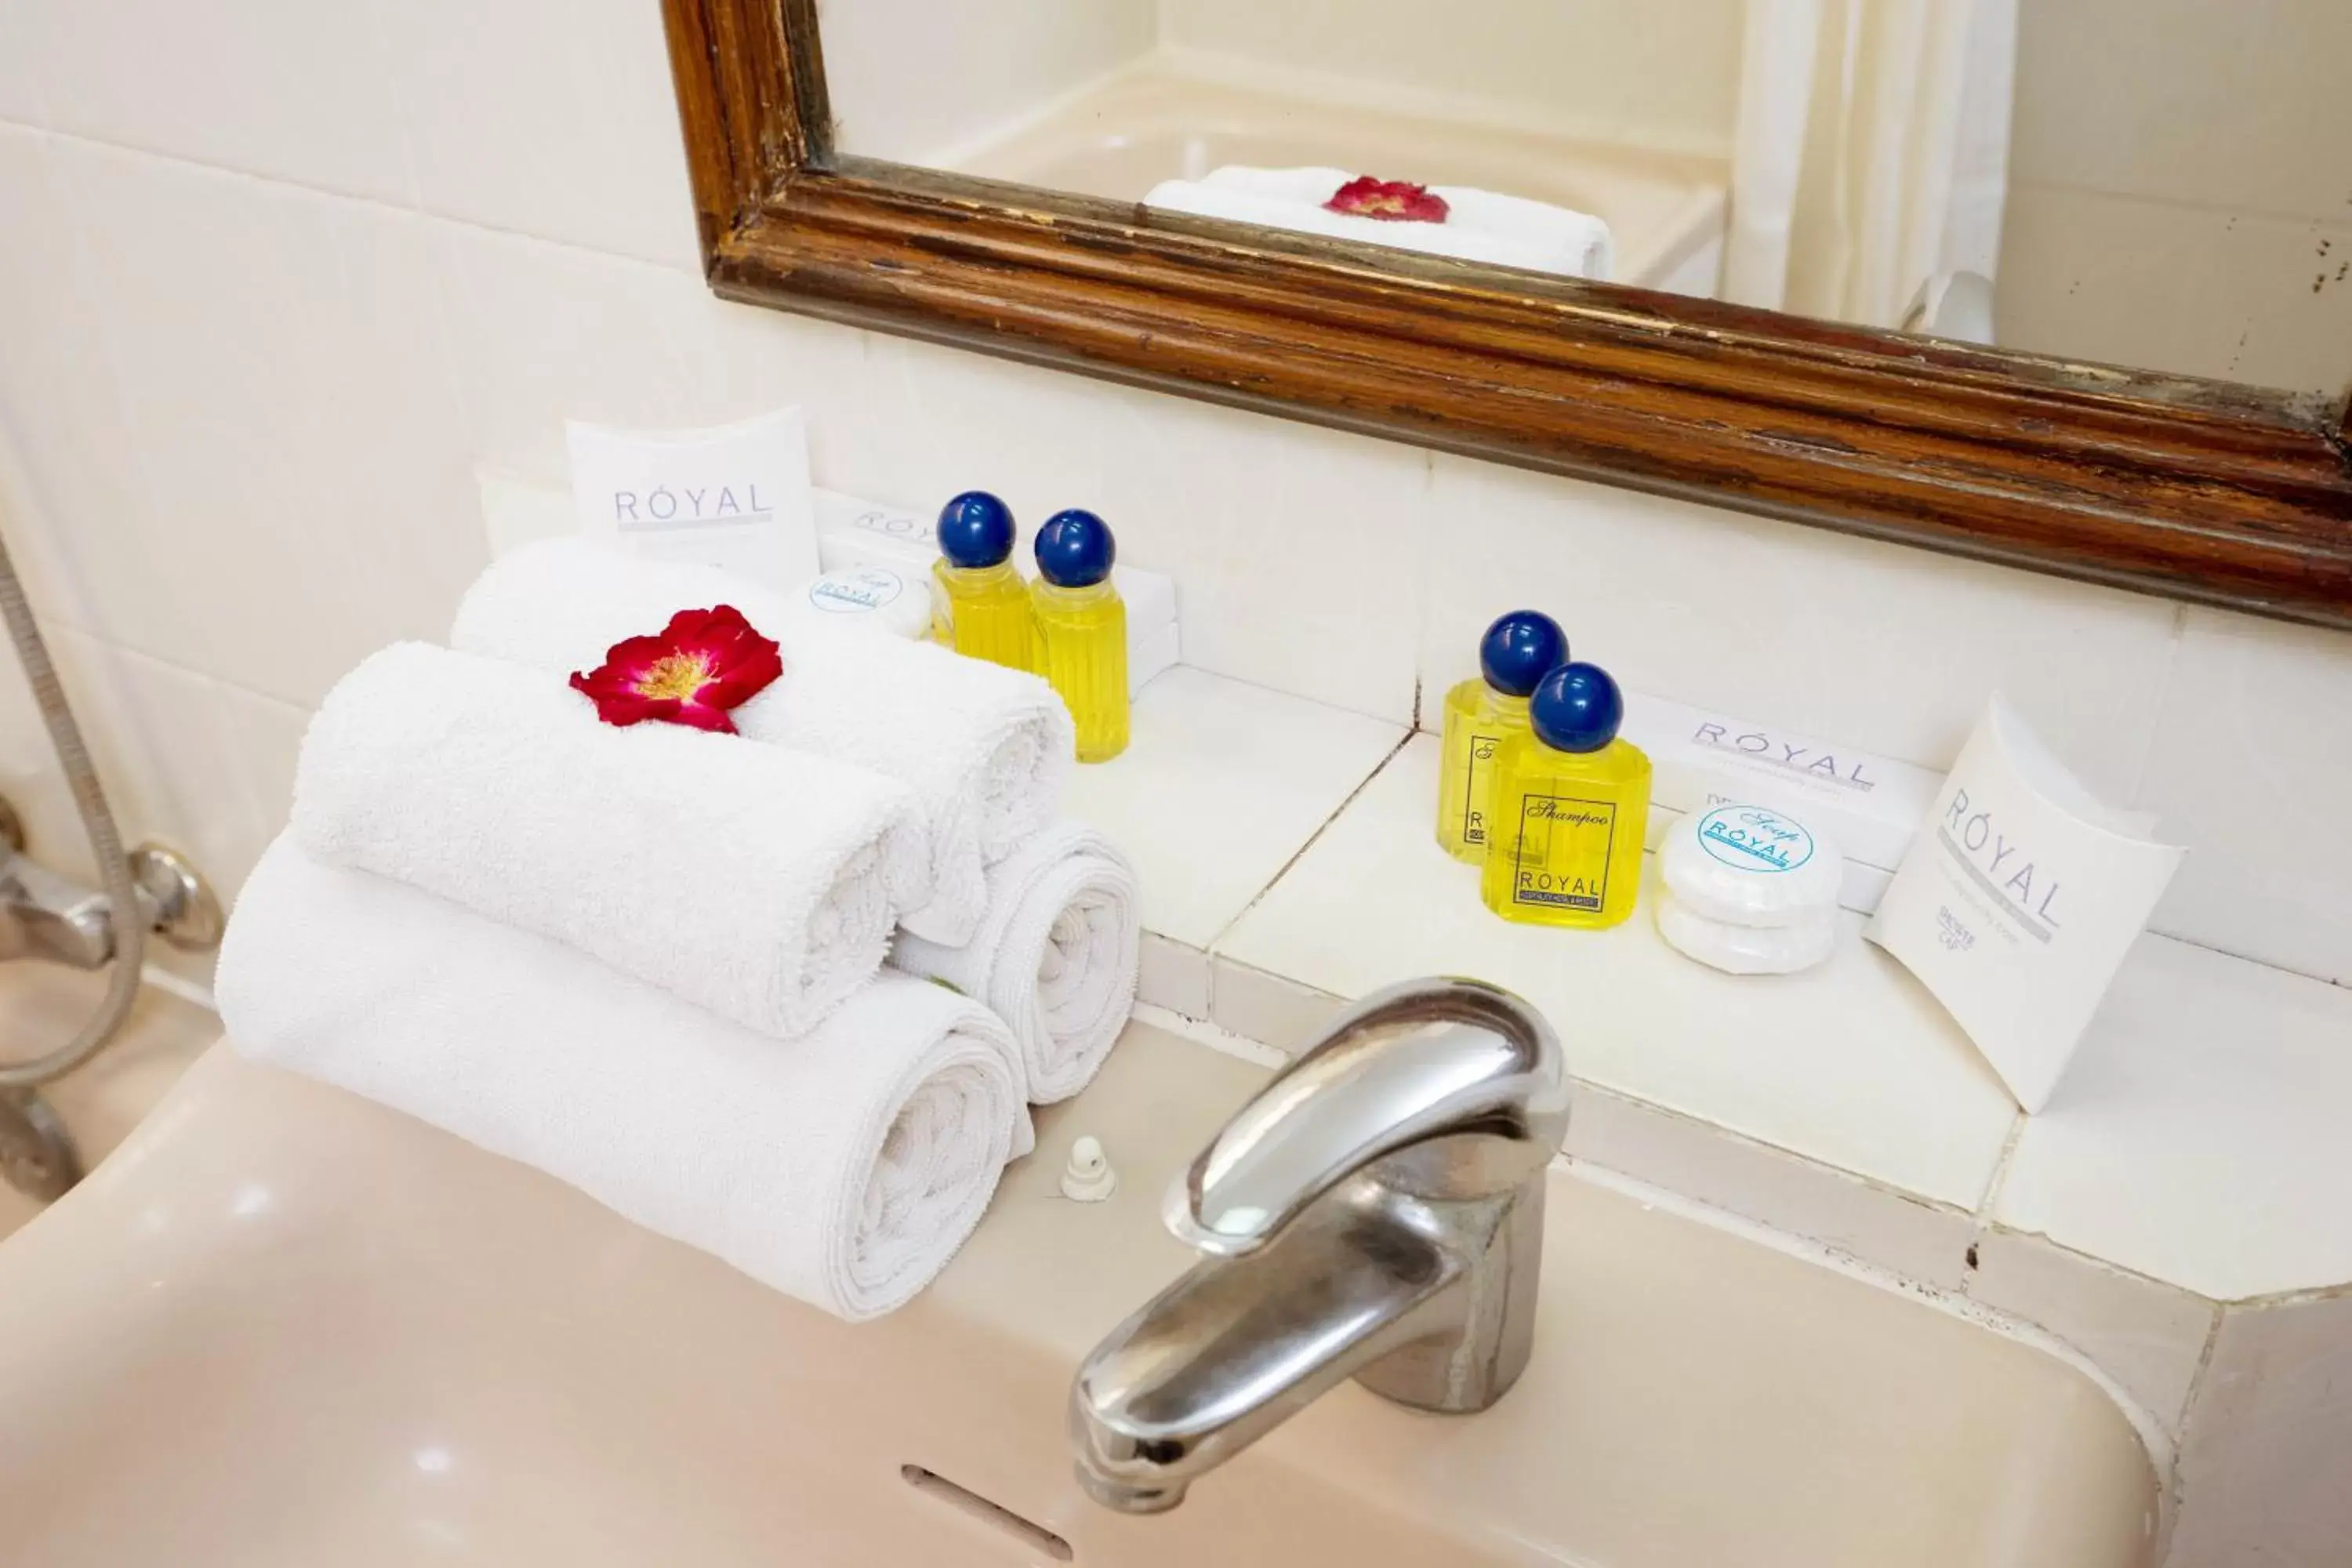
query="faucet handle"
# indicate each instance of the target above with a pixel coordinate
(1442, 1087)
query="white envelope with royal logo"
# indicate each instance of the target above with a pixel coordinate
(2018, 899)
(732, 496)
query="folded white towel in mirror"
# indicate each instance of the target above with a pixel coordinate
(985, 749)
(844, 1168)
(1055, 954)
(757, 881)
(1479, 226)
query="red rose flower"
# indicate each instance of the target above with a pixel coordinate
(1390, 200)
(704, 663)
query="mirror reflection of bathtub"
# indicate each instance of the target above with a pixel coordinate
(1985, 171)
(1118, 137)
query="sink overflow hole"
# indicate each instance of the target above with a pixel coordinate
(971, 1504)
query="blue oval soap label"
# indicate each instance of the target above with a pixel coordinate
(1755, 839)
(855, 591)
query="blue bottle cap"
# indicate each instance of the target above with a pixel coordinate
(1577, 707)
(975, 530)
(1519, 649)
(1074, 549)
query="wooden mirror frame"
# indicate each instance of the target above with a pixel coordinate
(2194, 490)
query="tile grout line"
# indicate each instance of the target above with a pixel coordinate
(419, 210)
(1312, 839)
(2000, 1164)
(2176, 1489)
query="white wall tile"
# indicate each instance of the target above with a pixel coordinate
(23, 66)
(290, 409)
(1866, 644)
(2251, 761)
(2148, 1337)
(30, 776)
(168, 756)
(267, 735)
(552, 117)
(541, 332)
(290, 89)
(69, 498)
(1221, 786)
(2262, 1467)
(2132, 280)
(1295, 551)
(2198, 1135)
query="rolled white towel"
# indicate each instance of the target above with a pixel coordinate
(760, 882)
(844, 1168)
(1480, 224)
(985, 749)
(1055, 954)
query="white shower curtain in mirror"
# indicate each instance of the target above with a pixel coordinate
(1871, 154)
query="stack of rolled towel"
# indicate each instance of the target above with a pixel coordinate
(650, 961)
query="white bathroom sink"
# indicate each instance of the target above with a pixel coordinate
(283, 1326)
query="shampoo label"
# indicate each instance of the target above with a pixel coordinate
(1565, 845)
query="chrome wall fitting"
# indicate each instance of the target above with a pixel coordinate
(44, 915)
(36, 1155)
(182, 908)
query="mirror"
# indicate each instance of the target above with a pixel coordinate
(2162, 185)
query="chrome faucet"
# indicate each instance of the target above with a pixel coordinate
(1376, 1211)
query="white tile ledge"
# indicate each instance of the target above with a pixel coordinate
(2196, 1142)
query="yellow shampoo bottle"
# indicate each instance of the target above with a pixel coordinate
(1082, 627)
(985, 602)
(1572, 803)
(1519, 650)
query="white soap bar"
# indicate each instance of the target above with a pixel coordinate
(1873, 806)
(1751, 866)
(1747, 950)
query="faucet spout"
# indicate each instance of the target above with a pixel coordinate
(1375, 1213)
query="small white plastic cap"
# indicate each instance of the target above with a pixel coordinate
(1747, 950)
(1751, 866)
(1088, 1178)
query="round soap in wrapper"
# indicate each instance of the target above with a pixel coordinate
(1751, 866)
(1748, 950)
(873, 597)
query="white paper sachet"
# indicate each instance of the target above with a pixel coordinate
(2017, 901)
(734, 496)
